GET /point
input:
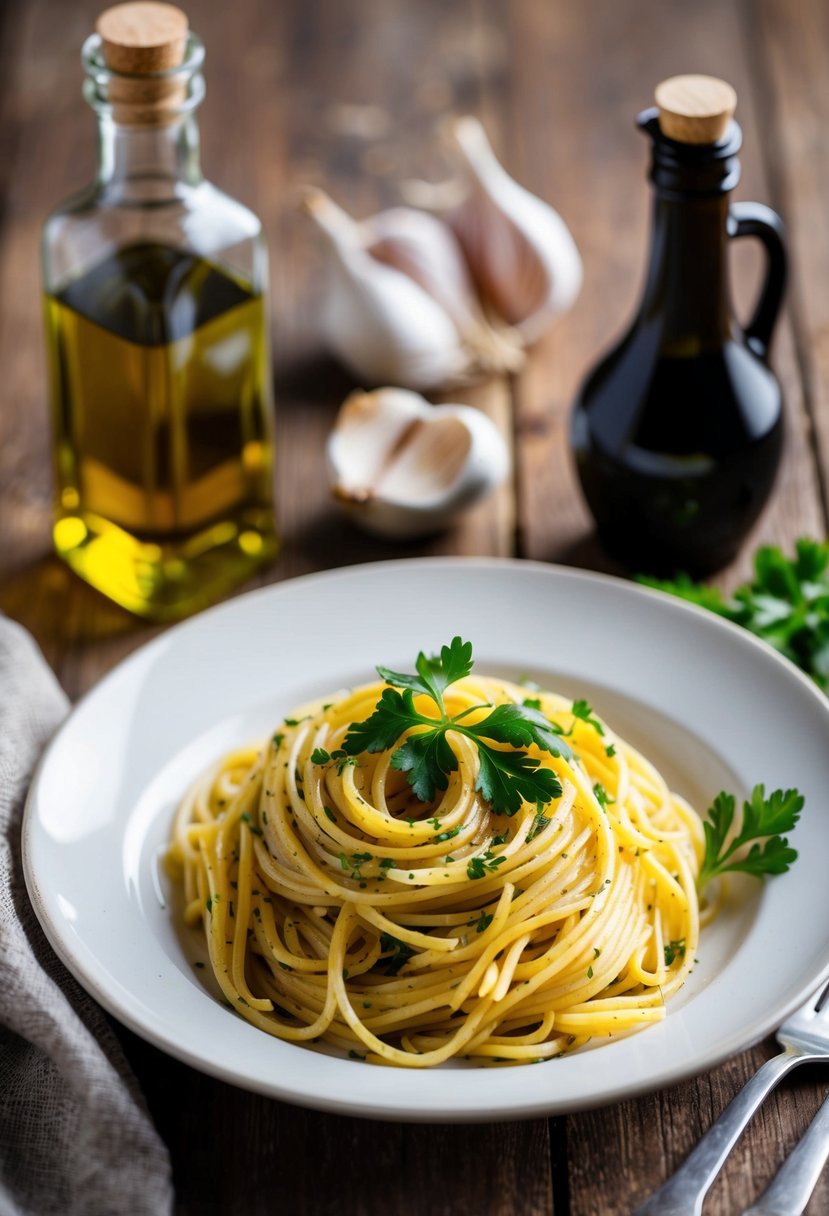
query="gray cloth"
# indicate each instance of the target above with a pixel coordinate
(75, 1136)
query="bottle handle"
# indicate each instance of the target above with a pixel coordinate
(755, 219)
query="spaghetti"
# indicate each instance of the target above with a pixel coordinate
(338, 907)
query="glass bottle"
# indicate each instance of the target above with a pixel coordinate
(677, 432)
(157, 335)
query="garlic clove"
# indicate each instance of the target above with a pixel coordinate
(381, 323)
(522, 256)
(425, 248)
(403, 468)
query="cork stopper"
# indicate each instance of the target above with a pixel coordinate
(695, 109)
(139, 40)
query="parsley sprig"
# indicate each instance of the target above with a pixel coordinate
(506, 778)
(763, 819)
(786, 603)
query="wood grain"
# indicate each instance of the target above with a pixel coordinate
(349, 95)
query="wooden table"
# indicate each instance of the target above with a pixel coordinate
(347, 94)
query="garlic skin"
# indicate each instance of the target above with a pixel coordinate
(426, 249)
(521, 254)
(402, 468)
(382, 324)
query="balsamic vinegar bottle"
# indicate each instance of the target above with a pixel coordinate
(156, 324)
(677, 432)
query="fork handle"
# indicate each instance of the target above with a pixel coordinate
(683, 1193)
(792, 1188)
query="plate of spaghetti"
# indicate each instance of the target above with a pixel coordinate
(376, 840)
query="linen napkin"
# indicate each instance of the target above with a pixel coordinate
(75, 1136)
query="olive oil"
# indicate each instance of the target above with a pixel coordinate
(156, 322)
(163, 448)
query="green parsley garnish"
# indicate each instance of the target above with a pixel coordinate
(506, 778)
(245, 817)
(763, 819)
(582, 711)
(602, 796)
(479, 867)
(539, 824)
(674, 950)
(399, 951)
(319, 756)
(353, 865)
(786, 603)
(448, 835)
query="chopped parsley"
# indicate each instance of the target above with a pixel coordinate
(353, 865)
(583, 712)
(399, 953)
(602, 796)
(540, 822)
(479, 867)
(257, 831)
(674, 950)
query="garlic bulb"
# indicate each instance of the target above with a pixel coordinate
(522, 257)
(400, 305)
(425, 248)
(402, 467)
(440, 295)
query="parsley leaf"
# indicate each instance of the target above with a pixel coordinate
(428, 759)
(435, 674)
(519, 726)
(507, 776)
(786, 603)
(763, 819)
(393, 714)
(506, 779)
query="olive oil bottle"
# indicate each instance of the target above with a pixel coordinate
(678, 430)
(157, 337)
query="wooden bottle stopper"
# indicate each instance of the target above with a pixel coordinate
(139, 40)
(695, 109)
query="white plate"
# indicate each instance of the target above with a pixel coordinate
(708, 703)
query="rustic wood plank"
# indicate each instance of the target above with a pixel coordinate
(788, 55)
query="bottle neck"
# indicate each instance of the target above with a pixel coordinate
(143, 163)
(687, 290)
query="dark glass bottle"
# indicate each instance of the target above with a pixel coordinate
(677, 432)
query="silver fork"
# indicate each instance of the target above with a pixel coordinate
(792, 1186)
(804, 1036)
